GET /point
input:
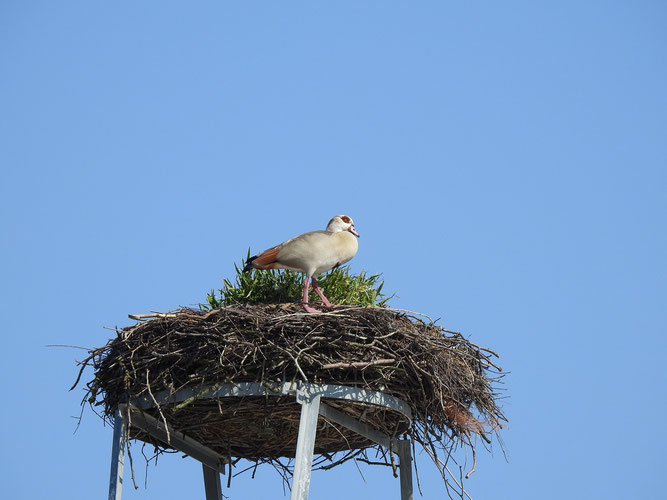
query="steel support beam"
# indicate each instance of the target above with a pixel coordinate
(212, 485)
(405, 465)
(156, 428)
(117, 457)
(310, 406)
(354, 425)
(400, 446)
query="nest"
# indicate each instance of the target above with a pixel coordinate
(449, 383)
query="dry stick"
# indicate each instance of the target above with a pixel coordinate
(350, 455)
(72, 347)
(382, 337)
(128, 426)
(358, 364)
(440, 462)
(413, 312)
(474, 458)
(391, 457)
(369, 462)
(154, 314)
(463, 491)
(83, 364)
(414, 461)
(317, 314)
(488, 363)
(194, 398)
(485, 349)
(296, 363)
(129, 456)
(359, 470)
(157, 405)
(229, 454)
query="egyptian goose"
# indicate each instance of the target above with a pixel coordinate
(312, 253)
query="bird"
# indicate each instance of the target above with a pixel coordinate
(312, 253)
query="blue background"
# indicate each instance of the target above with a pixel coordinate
(504, 163)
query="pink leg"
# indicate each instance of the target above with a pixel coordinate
(304, 303)
(325, 301)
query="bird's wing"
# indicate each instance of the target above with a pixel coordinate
(292, 254)
(266, 258)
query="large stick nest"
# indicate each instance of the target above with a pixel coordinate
(448, 382)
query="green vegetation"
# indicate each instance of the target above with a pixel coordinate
(280, 286)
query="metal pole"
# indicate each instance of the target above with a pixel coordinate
(405, 465)
(117, 457)
(310, 406)
(212, 483)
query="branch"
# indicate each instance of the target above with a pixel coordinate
(358, 364)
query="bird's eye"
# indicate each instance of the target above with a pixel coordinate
(346, 219)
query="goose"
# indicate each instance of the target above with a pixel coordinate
(312, 253)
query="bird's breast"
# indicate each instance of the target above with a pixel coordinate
(346, 245)
(341, 248)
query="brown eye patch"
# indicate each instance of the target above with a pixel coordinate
(346, 219)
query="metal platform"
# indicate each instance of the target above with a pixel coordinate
(308, 395)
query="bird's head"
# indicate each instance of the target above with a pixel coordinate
(342, 223)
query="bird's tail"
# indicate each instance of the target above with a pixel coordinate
(249, 264)
(265, 260)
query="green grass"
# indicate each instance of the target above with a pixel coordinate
(274, 287)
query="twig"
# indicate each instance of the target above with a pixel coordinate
(151, 315)
(413, 312)
(157, 405)
(474, 459)
(83, 364)
(68, 346)
(358, 364)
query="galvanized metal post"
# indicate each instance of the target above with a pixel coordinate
(117, 457)
(310, 408)
(212, 483)
(405, 465)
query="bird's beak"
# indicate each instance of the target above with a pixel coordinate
(353, 231)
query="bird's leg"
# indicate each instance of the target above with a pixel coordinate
(325, 301)
(304, 303)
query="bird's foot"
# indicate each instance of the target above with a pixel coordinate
(308, 308)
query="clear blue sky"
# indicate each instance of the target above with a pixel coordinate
(504, 163)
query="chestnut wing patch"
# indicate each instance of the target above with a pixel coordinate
(266, 258)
